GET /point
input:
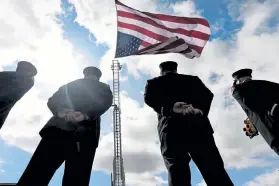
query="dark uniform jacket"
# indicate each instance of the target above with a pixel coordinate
(162, 92)
(257, 97)
(90, 97)
(13, 86)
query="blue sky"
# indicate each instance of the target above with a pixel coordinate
(215, 11)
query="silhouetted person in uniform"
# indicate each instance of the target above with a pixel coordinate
(260, 101)
(72, 134)
(182, 103)
(13, 86)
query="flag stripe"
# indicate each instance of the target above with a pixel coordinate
(145, 44)
(196, 49)
(190, 26)
(171, 43)
(175, 19)
(163, 31)
(142, 30)
(183, 49)
(126, 28)
(138, 35)
(160, 45)
(180, 31)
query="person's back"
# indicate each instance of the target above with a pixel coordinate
(13, 86)
(84, 95)
(72, 134)
(259, 99)
(182, 103)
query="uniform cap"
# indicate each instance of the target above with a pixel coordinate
(26, 66)
(168, 66)
(92, 71)
(242, 73)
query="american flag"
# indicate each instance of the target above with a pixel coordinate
(147, 33)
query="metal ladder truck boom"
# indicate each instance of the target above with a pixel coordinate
(118, 176)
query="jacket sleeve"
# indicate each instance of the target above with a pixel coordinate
(153, 99)
(272, 97)
(262, 96)
(13, 87)
(204, 95)
(56, 101)
(102, 105)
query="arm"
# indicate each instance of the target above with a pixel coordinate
(104, 103)
(261, 96)
(13, 86)
(204, 95)
(273, 95)
(152, 99)
(24, 87)
(56, 102)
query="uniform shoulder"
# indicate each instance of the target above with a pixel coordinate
(162, 78)
(105, 85)
(190, 77)
(8, 73)
(74, 82)
(265, 81)
(153, 79)
(91, 82)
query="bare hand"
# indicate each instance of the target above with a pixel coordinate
(190, 110)
(65, 112)
(78, 116)
(71, 116)
(178, 107)
(197, 111)
(181, 107)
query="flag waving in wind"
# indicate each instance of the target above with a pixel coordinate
(147, 33)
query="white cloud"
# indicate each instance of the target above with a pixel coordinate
(266, 179)
(186, 9)
(145, 178)
(29, 31)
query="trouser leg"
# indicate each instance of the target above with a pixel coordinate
(79, 161)
(206, 156)
(176, 160)
(46, 159)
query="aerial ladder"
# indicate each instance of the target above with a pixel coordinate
(118, 175)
